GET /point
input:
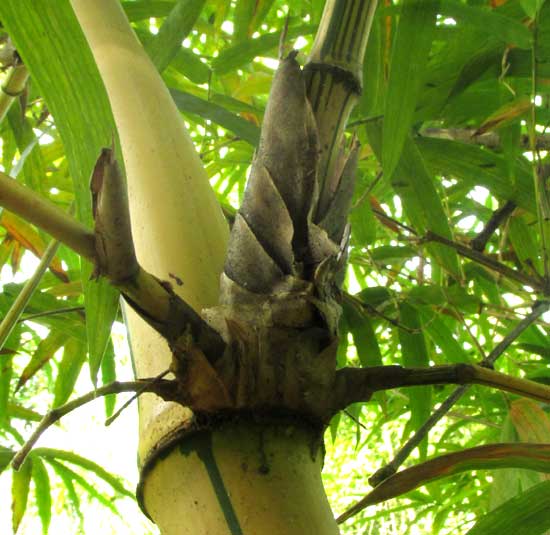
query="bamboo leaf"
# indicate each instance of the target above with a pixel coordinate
(108, 375)
(50, 41)
(177, 25)
(239, 55)
(20, 492)
(6, 455)
(531, 422)
(44, 352)
(23, 233)
(86, 464)
(146, 9)
(526, 514)
(42, 492)
(408, 61)
(74, 356)
(491, 457)
(65, 476)
(188, 103)
(476, 166)
(490, 21)
(415, 354)
(364, 338)
(102, 303)
(17, 411)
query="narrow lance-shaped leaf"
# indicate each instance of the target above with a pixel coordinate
(42, 492)
(490, 457)
(415, 353)
(173, 31)
(411, 46)
(74, 356)
(526, 514)
(50, 41)
(20, 493)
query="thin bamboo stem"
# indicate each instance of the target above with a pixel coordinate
(14, 313)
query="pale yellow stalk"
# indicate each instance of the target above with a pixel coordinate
(178, 227)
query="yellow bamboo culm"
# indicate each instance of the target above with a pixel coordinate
(178, 228)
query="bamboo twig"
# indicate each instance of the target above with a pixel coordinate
(116, 387)
(358, 384)
(14, 313)
(110, 249)
(390, 468)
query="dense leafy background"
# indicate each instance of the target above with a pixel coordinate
(452, 104)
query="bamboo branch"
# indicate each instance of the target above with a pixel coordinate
(389, 469)
(14, 313)
(537, 283)
(36, 210)
(163, 388)
(358, 384)
(110, 249)
(497, 219)
(491, 140)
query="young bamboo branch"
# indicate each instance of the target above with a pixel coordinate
(153, 299)
(358, 384)
(497, 219)
(536, 283)
(386, 471)
(142, 385)
(14, 313)
(491, 140)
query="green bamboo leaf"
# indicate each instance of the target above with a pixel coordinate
(531, 7)
(50, 41)
(101, 303)
(108, 375)
(23, 413)
(415, 354)
(476, 166)
(525, 246)
(177, 25)
(44, 352)
(65, 476)
(526, 514)
(88, 487)
(236, 56)
(74, 356)
(363, 225)
(42, 492)
(190, 65)
(442, 336)
(6, 455)
(364, 337)
(72, 458)
(146, 9)
(422, 203)
(6, 373)
(20, 492)
(537, 350)
(490, 21)
(244, 129)
(411, 47)
(249, 14)
(491, 457)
